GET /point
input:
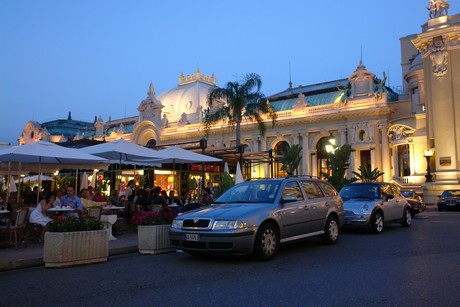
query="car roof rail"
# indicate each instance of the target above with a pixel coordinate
(302, 176)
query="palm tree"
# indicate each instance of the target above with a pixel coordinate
(367, 175)
(291, 159)
(237, 101)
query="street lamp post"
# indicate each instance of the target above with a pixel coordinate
(330, 149)
(428, 154)
(203, 145)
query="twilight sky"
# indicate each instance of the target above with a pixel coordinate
(98, 57)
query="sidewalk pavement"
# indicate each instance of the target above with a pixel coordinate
(32, 255)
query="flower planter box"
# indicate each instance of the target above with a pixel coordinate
(63, 249)
(154, 239)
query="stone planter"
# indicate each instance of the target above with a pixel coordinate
(154, 239)
(63, 249)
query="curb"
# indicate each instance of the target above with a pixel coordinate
(36, 262)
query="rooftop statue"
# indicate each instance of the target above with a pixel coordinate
(438, 8)
(379, 86)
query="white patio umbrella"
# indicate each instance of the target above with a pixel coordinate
(12, 186)
(120, 151)
(84, 181)
(34, 178)
(238, 176)
(49, 153)
(175, 154)
(226, 170)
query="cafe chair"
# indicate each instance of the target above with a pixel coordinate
(33, 230)
(15, 229)
(95, 211)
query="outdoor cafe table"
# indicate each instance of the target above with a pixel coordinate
(60, 210)
(109, 219)
(4, 214)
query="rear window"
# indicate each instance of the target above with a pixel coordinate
(328, 189)
(311, 189)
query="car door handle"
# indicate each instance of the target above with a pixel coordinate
(306, 207)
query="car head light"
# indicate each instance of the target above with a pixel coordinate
(177, 223)
(365, 208)
(219, 225)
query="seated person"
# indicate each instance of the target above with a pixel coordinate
(73, 201)
(173, 200)
(114, 199)
(38, 215)
(98, 197)
(4, 206)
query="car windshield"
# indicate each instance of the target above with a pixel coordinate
(406, 193)
(360, 191)
(251, 192)
(451, 193)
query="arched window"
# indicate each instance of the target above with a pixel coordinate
(151, 143)
(280, 149)
(322, 157)
(403, 160)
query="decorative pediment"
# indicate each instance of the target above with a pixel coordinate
(150, 107)
(397, 132)
(362, 82)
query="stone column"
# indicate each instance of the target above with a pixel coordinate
(306, 161)
(385, 152)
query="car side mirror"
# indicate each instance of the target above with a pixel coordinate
(288, 199)
(390, 196)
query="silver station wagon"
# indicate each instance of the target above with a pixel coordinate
(255, 217)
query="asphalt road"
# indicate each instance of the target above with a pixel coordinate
(417, 266)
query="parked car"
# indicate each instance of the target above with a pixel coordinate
(415, 201)
(449, 199)
(372, 204)
(255, 217)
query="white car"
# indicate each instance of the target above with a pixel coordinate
(372, 204)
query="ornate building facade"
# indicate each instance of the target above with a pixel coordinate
(394, 132)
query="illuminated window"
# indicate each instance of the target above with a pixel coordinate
(280, 149)
(403, 160)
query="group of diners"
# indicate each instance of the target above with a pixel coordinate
(148, 198)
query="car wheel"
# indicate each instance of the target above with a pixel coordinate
(266, 245)
(377, 222)
(407, 218)
(331, 231)
(439, 208)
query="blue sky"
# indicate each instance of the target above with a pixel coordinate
(98, 57)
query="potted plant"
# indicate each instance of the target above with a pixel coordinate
(153, 230)
(73, 241)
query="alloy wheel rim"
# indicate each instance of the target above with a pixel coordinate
(408, 217)
(379, 222)
(269, 242)
(333, 230)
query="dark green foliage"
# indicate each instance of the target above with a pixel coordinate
(70, 224)
(367, 175)
(291, 159)
(338, 163)
(225, 183)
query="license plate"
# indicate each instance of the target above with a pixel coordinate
(192, 237)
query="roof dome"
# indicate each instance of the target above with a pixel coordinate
(188, 97)
(417, 63)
